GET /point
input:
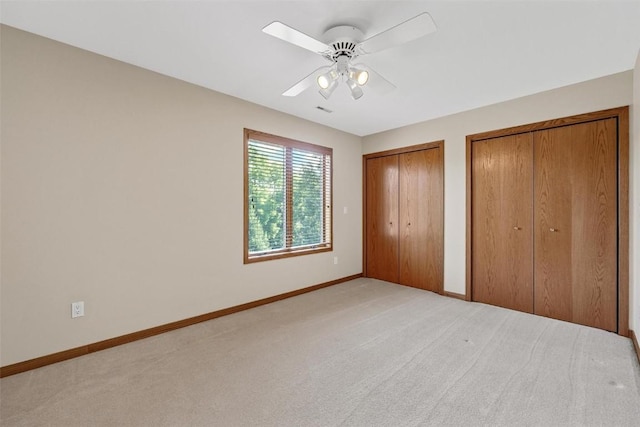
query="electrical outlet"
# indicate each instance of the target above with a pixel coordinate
(77, 309)
(335, 260)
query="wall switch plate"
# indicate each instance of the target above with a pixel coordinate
(77, 309)
(335, 260)
(345, 210)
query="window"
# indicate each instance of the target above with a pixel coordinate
(287, 203)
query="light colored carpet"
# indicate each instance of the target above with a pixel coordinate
(362, 353)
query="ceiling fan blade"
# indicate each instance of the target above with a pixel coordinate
(305, 83)
(293, 36)
(414, 28)
(376, 82)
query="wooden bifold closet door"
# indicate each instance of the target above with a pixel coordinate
(544, 222)
(404, 218)
(503, 222)
(575, 214)
(421, 222)
(381, 209)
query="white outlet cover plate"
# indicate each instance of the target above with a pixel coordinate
(77, 309)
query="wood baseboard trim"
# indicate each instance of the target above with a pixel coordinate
(39, 362)
(634, 340)
(455, 295)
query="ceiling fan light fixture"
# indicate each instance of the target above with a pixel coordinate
(359, 76)
(356, 91)
(326, 92)
(327, 79)
(323, 82)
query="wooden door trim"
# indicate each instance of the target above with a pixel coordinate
(403, 150)
(553, 123)
(419, 147)
(622, 115)
(623, 221)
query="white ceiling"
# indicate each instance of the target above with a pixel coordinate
(483, 52)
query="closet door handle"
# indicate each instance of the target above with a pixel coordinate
(553, 230)
(517, 228)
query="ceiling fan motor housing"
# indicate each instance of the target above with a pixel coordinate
(343, 40)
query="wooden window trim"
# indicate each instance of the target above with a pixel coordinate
(288, 251)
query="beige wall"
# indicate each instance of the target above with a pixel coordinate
(599, 94)
(123, 188)
(634, 215)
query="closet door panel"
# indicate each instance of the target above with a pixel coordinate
(576, 223)
(382, 218)
(421, 219)
(502, 239)
(595, 215)
(552, 217)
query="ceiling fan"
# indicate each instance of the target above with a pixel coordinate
(344, 45)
